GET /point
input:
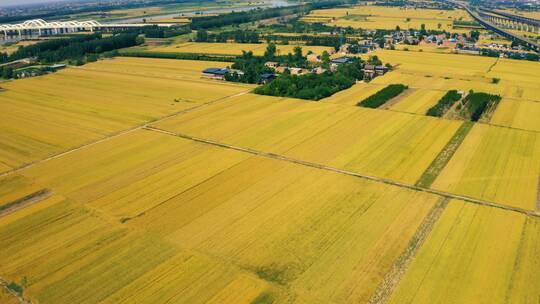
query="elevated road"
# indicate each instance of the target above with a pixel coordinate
(523, 19)
(495, 28)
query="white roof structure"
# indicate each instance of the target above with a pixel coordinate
(40, 24)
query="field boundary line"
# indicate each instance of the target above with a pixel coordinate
(445, 155)
(538, 194)
(445, 194)
(118, 134)
(392, 278)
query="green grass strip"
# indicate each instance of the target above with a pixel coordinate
(438, 164)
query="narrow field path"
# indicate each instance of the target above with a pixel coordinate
(118, 134)
(346, 172)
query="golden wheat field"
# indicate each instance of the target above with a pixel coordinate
(189, 190)
(498, 164)
(43, 116)
(235, 48)
(471, 250)
(381, 143)
(381, 17)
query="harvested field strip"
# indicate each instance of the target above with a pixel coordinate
(373, 178)
(444, 156)
(419, 102)
(392, 278)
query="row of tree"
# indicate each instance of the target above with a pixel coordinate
(381, 97)
(476, 103)
(238, 36)
(48, 46)
(444, 104)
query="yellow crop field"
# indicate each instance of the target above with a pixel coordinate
(382, 17)
(383, 143)
(419, 101)
(437, 64)
(473, 249)
(7, 298)
(234, 48)
(497, 164)
(127, 252)
(159, 68)
(518, 114)
(135, 180)
(516, 78)
(355, 94)
(94, 101)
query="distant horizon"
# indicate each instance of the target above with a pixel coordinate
(6, 3)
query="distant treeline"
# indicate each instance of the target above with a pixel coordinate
(239, 36)
(183, 56)
(258, 14)
(50, 45)
(157, 32)
(381, 97)
(445, 103)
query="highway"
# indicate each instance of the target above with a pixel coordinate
(493, 27)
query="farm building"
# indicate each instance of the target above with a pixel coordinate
(216, 73)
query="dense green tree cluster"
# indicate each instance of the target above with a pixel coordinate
(238, 36)
(156, 32)
(251, 66)
(50, 46)
(77, 50)
(313, 86)
(444, 103)
(183, 56)
(476, 103)
(378, 99)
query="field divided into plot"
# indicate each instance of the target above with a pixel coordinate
(497, 164)
(518, 114)
(43, 116)
(380, 17)
(68, 239)
(471, 250)
(149, 217)
(234, 48)
(419, 101)
(354, 94)
(386, 144)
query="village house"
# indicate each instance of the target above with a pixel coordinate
(272, 64)
(267, 78)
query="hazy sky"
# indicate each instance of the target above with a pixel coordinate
(13, 2)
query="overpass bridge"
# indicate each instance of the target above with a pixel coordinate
(511, 21)
(486, 21)
(58, 27)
